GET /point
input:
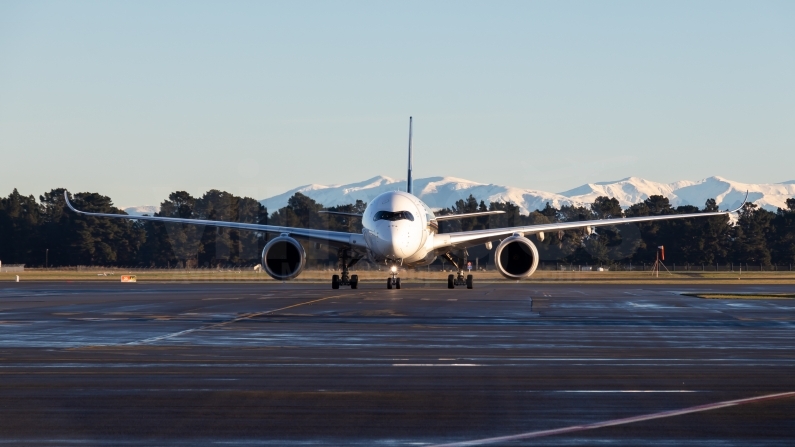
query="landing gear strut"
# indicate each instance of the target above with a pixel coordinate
(459, 279)
(346, 261)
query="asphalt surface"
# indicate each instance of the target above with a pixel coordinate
(297, 364)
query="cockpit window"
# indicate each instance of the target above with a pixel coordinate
(393, 216)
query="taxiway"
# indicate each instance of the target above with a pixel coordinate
(298, 364)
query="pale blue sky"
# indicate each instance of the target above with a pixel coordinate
(137, 99)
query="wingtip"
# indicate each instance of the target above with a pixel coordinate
(745, 200)
(68, 203)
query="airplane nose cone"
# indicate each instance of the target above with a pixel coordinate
(395, 242)
(400, 243)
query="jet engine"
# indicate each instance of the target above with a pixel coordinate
(516, 257)
(283, 258)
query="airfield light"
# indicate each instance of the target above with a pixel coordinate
(394, 269)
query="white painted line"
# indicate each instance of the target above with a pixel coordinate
(435, 364)
(614, 422)
(224, 323)
(626, 391)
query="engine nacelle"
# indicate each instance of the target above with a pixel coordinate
(283, 258)
(516, 257)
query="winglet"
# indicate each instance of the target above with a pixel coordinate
(68, 203)
(745, 200)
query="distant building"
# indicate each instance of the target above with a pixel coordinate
(11, 268)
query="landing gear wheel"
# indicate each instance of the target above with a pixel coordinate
(469, 281)
(397, 283)
(389, 283)
(345, 262)
(450, 281)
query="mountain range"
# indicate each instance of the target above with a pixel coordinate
(442, 192)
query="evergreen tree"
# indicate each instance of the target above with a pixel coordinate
(343, 223)
(100, 241)
(470, 205)
(606, 208)
(20, 225)
(56, 227)
(190, 245)
(651, 236)
(301, 212)
(511, 218)
(609, 244)
(783, 246)
(228, 245)
(752, 234)
(174, 244)
(713, 236)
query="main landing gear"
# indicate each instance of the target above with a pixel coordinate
(459, 279)
(346, 280)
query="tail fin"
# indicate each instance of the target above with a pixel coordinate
(409, 182)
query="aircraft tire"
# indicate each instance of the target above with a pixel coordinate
(335, 282)
(354, 281)
(397, 283)
(450, 282)
(389, 283)
(469, 281)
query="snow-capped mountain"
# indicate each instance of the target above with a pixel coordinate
(442, 192)
(437, 192)
(727, 193)
(141, 210)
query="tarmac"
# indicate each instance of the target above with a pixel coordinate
(300, 364)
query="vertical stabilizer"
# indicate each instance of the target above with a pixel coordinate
(409, 183)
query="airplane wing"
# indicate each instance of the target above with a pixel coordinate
(340, 213)
(438, 218)
(335, 238)
(464, 239)
(464, 216)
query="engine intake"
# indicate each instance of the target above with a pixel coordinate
(283, 258)
(516, 257)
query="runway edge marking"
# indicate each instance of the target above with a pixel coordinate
(614, 422)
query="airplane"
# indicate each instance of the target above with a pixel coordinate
(399, 230)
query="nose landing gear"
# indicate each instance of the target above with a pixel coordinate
(393, 280)
(345, 280)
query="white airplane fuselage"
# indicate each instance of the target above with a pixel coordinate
(398, 228)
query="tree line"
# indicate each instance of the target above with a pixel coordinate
(38, 232)
(757, 237)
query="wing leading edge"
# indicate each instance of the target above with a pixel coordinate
(466, 239)
(466, 215)
(329, 237)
